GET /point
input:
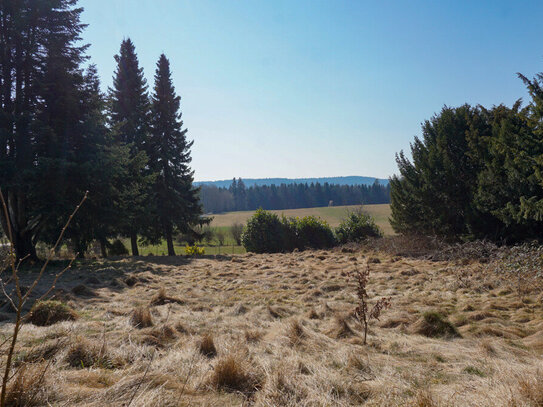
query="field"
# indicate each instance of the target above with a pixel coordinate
(223, 222)
(332, 214)
(279, 330)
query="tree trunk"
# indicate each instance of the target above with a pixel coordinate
(169, 240)
(134, 243)
(103, 248)
(24, 247)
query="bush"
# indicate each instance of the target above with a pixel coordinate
(264, 233)
(237, 231)
(356, 227)
(315, 233)
(49, 312)
(117, 248)
(290, 233)
(194, 250)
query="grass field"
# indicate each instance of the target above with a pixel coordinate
(332, 214)
(280, 330)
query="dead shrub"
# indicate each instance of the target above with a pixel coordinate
(141, 317)
(362, 313)
(49, 312)
(206, 346)
(231, 373)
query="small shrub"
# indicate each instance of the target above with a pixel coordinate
(315, 233)
(263, 233)
(49, 312)
(236, 230)
(220, 236)
(206, 346)
(356, 227)
(117, 248)
(194, 250)
(141, 318)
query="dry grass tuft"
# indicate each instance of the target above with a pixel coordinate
(50, 312)
(40, 353)
(295, 332)
(423, 398)
(232, 374)
(161, 336)
(531, 389)
(83, 353)
(161, 298)
(253, 335)
(341, 328)
(29, 387)
(434, 325)
(141, 317)
(83, 291)
(206, 346)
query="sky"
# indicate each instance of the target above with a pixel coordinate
(314, 88)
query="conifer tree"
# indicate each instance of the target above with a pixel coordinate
(129, 111)
(40, 89)
(176, 201)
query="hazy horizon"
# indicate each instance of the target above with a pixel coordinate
(318, 89)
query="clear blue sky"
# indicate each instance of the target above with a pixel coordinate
(311, 88)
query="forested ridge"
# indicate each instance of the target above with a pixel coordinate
(289, 196)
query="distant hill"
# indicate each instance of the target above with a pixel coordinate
(351, 180)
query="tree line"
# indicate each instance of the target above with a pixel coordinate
(476, 173)
(61, 136)
(289, 196)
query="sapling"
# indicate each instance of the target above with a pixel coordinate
(361, 311)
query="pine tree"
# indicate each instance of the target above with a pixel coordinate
(129, 111)
(176, 200)
(40, 84)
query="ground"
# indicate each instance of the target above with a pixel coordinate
(275, 330)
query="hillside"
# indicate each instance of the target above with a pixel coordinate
(350, 180)
(332, 215)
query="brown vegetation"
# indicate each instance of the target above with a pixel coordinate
(281, 330)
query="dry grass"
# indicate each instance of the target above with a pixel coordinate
(141, 317)
(279, 330)
(206, 346)
(50, 312)
(233, 374)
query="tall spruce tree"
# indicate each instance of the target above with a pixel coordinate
(129, 111)
(40, 94)
(177, 202)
